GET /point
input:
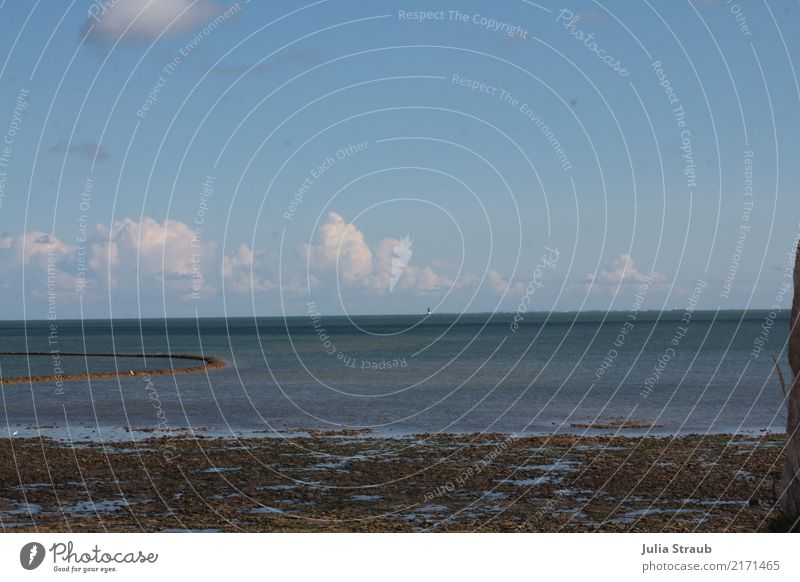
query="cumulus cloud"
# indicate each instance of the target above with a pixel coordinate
(88, 150)
(36, 246)
(342, 247)
(247, 271)
(502, 285)
(621, 271)
(147, 256)
(168, 254)
(171, 251)
(422, 279)
(144, 20)
(238, 260)
(46, 260)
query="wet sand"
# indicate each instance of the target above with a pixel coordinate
(357, 482)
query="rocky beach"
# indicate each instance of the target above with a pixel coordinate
(357, 482)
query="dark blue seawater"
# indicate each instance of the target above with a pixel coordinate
(407, 374)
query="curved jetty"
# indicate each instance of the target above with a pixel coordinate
(208, 363)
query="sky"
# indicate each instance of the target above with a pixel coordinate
(176, 158)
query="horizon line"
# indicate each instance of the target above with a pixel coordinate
(423, 315)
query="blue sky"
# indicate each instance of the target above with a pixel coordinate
(486, 133)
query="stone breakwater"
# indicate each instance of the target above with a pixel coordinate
(208, 363)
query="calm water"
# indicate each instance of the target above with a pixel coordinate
(405, 374)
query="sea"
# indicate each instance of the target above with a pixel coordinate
(658, 373)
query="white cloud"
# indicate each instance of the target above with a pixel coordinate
(622, 270)
(421, 279)
(141, 20)
(241, 258)
(139, 259)
(158, 254)
(342, 247)
(170, 250)
(501, 285)
(369, 267)
(35, 247)
(246, 271)
(44, 256)
(424, 280)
